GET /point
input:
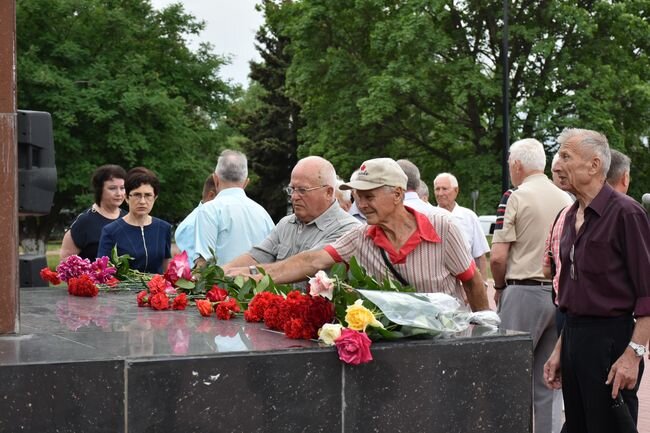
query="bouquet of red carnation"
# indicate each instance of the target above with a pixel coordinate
(161, 295)
(298, 315)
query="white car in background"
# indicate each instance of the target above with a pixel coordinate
(487, 223)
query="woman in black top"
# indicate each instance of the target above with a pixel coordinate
(83, 236)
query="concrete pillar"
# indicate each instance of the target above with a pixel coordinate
(9, 290)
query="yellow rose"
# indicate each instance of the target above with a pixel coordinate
(329, 333)
(359, 317)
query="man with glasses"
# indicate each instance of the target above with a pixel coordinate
(523, 293)
(427, 252)
(231, 223)
(317, 218)
(605, 286)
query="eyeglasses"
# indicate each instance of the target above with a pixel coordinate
(137, 196)
(301, 191)
(572, 269)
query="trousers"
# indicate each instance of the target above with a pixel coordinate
(528, 309)
(590, 345)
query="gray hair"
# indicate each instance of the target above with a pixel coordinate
(423, 189)
(556, 158)
(530, 153)
(344, 193)
(451, 177)
(620, 164)
(412, 174)
(593, 141)
(232, 166)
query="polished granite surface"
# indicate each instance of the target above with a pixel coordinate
(56, 327)
(103, 365)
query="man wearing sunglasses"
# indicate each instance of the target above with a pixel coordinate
(604, 291)
(316, 221)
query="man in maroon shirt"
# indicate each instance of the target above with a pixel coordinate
(605, 286)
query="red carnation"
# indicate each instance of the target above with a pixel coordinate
(112, 282)
(158, 284)
(159, 301)
(82, 285)
(272, 314)
(226, 310)
(143, 299)
(180, 302)
(204, 306)
(50, 276)
(257, 306)
(216, 294)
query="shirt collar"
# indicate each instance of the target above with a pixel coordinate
(601, 200)
(323, 220)
(424, 230)
(231, 192)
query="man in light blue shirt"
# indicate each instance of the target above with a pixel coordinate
(232, 223)
(184, 234)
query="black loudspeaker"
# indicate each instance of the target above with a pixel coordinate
(36, 165)
(30, 268)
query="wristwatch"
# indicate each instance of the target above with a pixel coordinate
(639, 349)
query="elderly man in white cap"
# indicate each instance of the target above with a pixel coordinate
(427, 252)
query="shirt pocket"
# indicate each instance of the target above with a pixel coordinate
(599, 256)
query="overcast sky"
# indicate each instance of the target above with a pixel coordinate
(230, 26)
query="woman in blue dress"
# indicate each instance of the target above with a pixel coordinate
(82, 238)
(146, 239)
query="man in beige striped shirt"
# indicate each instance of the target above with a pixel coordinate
(427, 252)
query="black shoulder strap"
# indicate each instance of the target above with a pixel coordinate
(399, 276)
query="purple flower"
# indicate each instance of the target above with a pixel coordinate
(73, 267)
(101, 272)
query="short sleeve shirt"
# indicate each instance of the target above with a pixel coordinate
(290, 236)
(530, 212)
(86, 231)
(434, 259)
(471, 227)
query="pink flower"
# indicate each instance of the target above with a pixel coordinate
(322, 285)
(179, 268)
(102, 272)
(353, 347)
(73, 267)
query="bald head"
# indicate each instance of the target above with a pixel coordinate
(317, 178)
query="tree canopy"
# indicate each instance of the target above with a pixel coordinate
(124, 88)
(421, 79)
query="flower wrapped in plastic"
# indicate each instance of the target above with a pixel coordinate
(420, 313)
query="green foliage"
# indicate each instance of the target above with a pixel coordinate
(123, 87)
(422, 79)
(267, 118)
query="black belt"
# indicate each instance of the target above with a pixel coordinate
(527, 282)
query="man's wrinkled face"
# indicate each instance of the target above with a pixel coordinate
(445, 193)
(377, 204)
(309, 198)
(572, 168)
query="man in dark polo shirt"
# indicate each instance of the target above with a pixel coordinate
(605, 286)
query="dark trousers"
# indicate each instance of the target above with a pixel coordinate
(590, 345)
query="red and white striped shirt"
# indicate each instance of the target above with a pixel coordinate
(433, 259)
